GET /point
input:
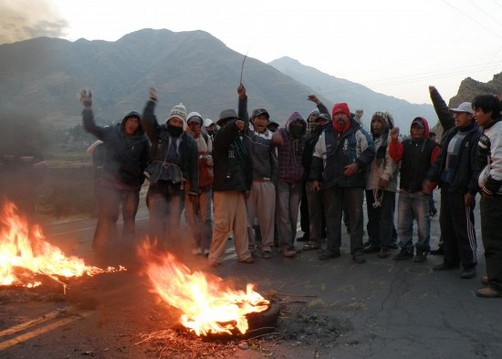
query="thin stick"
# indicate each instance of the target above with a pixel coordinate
(242, 65)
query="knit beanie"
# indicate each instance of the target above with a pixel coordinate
(178, 111)
(194, 116)
(341, 107)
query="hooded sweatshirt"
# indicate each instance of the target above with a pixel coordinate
(125, 156)
(290, 153)
(418, 155)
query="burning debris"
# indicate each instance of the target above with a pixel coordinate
(209, 306)
(25, 254)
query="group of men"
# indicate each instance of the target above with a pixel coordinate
(248, 180)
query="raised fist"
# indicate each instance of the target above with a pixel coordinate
(152, 93)
(85, 97)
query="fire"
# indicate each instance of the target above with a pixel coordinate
(23, 248)
(207, 303)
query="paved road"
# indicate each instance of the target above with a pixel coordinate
(381, 309)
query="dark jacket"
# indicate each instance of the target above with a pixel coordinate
(417, 158)
(232, 163)
(466, 172)
(310, 142)
(332, 153)
(260, 148)
(125, 156)
(188, 160)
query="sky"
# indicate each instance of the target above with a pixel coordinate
(394, 47)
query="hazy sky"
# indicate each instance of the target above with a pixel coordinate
(395, 47)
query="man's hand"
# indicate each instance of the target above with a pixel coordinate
(382, 183)
(350, 169)
(469, 200)
(314, 99)
(152, 93)
(426, 187)
(431, 88)
(240, 124)
(316, 186)
(85, 97)
(277, 139)
(241, 91)
(394, 134)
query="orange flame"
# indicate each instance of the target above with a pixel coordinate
(22, 249)
(208, 305)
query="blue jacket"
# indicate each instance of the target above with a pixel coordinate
(334, 151)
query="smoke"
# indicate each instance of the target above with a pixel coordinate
(25, 19)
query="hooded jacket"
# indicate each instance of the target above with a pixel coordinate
(311, 140)
(188, 157)
(417, 157)
(383, 165)
(290, 152)
(232, 163)
(334, 151)
(125, 156)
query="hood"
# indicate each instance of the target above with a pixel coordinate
(139, 131)
(295, 116)
(425, 124)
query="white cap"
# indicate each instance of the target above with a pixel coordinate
(208, 122)
(463, 107)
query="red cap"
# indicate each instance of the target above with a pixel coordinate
(341, 107)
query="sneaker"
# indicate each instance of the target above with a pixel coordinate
(359, 258)
(444, 266)
(488, 292)
(328, 254)
(404, 254)
(468, 273)
(197, 251)
(266, 254)
(288, 253)
(311, 247)
(384, 252)
(420, 257)
(248, 260)
(438, 252)
(371, 249)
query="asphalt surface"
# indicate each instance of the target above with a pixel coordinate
(388, 308)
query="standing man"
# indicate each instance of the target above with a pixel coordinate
(261, 201)
(173, 164)
(342, 154)
(290, 141)
(198, 213)
(417, 154)
(487, 114)
(318, 119)
(232, 183)
(125, 158)
(455, 170)
(381, 188)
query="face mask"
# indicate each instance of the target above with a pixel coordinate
(296, 131)
(174, 131)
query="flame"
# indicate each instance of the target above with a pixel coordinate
(207, 303)
(22, 248)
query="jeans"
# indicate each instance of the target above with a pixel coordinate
(413, 206)
(165, 203)
(288, 201)
(110, 201)
(351, 199)
(491, 230)
(199, 218)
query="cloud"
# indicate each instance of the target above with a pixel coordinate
(25, 19)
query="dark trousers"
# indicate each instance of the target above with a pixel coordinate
(457, 230)
(491, 230)
(334, 199)
(380, 224)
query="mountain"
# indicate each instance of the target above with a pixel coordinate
(356, 95)
(469, 88)
(42, 76)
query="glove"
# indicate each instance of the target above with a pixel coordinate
(85, 97)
